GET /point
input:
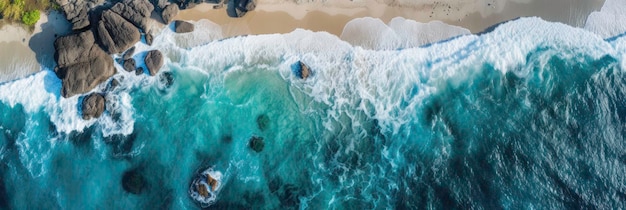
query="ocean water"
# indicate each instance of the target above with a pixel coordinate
(529, 115)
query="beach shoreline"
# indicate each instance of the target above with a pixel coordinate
(35, 50)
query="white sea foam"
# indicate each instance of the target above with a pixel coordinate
(610, 20)
(400, 33)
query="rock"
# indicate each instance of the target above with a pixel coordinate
(113, 84)
(239, 8)
(139, 71)
(149, 39)
(202, 190)
(129, 53)
(76, 12)
(263, 122)
(115, 33)
(73, 48)
(188, 4)
(81, 77)
(182, 26)
(136, 12)
(167, 79)
(154, 61)
(133, 182)
(93, 106)
(304, 71)
(129, 65)
(256, 143)
(212, 182)
(170, 11)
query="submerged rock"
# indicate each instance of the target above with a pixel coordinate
(170, 11)
(256, 143)
(263, 122)
(139, 71)
(205, 187)
(93, 106)
(183, 27)
(154, 61)
(133, 181)
(149, 38)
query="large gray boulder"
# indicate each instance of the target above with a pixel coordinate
(93, 106)
(81, 64)
(154, 61)
(169, 12)
(115, 33)
(76, 12)
(136, 12)
(182, 26)
(239, 8)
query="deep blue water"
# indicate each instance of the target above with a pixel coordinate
(515, 118)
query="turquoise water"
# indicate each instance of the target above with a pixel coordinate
(490, 121)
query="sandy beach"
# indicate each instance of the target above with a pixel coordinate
(30, 50)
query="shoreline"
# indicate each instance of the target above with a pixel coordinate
(35, 50)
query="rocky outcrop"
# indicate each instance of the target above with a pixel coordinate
(154, 61)
(239, 8)
(81, 64)
(93, 106)
(136, 12)
(169, 12)
(129, 53)
(76, 12)
(115, 33)
(256, 143)
(182, 26)
(129, 65)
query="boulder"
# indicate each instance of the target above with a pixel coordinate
(129, 65)
(115, 33)
(239, 8)
(263, 122)
(304, 71)
(256, 143)
(182, 26)
(81, 64)
(73, 48)
(149, 38)
(154, 61)
(139, 71)
(136, 12)
(129, 53)
(76, 12)
(169, 12)
(93, 106)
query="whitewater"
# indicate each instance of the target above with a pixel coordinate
(529, 114)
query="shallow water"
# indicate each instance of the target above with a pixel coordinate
(532, 114)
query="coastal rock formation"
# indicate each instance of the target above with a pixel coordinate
(205, 187)
(129, 65)
(239, 8)
(256, 143)
(115, 33)
(149, 38)
(129, 53)
(82, 64)
(301, 70)
(182, 27)
(93, 106)
(76, 12)
(169, 12)
(154, 61)
(136, 12)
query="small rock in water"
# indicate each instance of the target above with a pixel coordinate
(205, 186)
(263, 121)
(129, 53)
(256, 143)
(129, 65)
(183, 27)
(133, 182)
(167, 79)
(149, 39)
(139, 71)
(93, 106)
(154, 61)
(304, 70)
(113, 84)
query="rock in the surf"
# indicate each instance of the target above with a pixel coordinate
(205, 187)
(129, 65)
(183, 27)
(305, 71)
(169, 12)
(154, 61)
(256, 143)
(93, 106)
